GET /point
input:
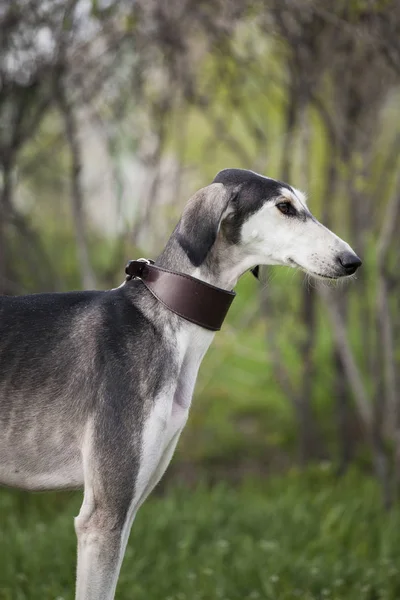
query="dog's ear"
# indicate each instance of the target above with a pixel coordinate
(201, 219)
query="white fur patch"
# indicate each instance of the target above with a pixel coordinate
(171, 408)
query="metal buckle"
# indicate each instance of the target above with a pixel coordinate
(145, 261)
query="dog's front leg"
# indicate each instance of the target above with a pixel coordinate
(100, 552)
(102, 528)
(115, 487)
(112, 490)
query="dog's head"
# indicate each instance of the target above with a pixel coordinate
(264, 221)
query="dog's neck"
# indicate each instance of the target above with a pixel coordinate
(222, 267)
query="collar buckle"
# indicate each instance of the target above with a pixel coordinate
(135, 268)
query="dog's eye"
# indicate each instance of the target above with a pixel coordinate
(286, 208)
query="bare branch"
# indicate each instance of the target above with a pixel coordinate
(343, 345)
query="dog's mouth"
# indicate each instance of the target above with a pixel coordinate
(317, 274)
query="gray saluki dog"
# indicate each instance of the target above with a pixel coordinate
(95, 386)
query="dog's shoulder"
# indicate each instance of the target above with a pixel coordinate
(32, 308)
(64, 311)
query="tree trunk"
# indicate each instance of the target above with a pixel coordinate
(310, 445)
(77, 198)
(368, 416)
(5, 199)
(343, 414)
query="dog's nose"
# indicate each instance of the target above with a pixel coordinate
(350, 262)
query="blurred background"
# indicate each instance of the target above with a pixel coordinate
(112, 113)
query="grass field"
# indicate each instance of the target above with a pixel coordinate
(307, 537)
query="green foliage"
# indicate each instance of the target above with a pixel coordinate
(305, 536)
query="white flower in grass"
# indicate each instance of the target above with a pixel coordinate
(268, 545)
(370, 572)
(326, 592)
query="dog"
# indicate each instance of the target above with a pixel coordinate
(96, 386)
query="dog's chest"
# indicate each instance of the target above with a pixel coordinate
(193, 344)
(171, 407)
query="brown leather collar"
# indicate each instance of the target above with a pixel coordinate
(186, 296)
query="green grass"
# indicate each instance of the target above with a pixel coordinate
(299, 536)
